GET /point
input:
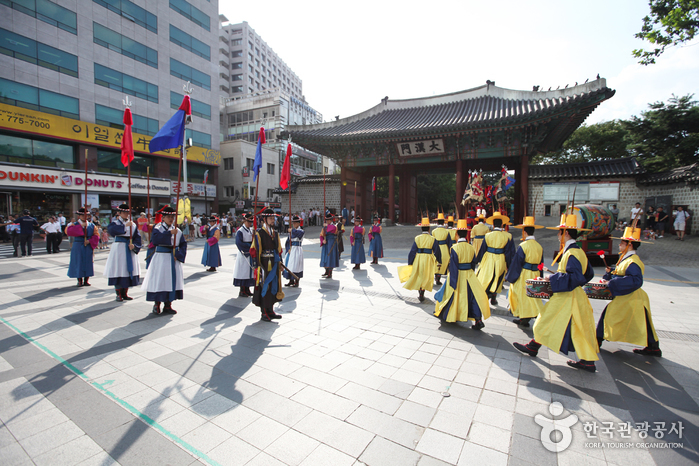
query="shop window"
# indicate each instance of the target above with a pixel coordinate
(23, 95)
(33, 152)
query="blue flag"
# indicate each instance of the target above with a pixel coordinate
(510, 182)
(171, 135)
(258, 155)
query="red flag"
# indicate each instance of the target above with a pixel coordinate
(286, 169)
(373, 184)
(127, 140)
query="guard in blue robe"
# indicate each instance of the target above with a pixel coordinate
(122, 268)
(212, 253)
(85, 240)
(375, 241)
(357, 256)
(329, 254)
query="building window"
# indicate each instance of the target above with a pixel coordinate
(250, 68)
(109, 161)
(223, 88)
(547, 210)
(270, 169)
(237, 66)
(269, 194)
(228, 163)
(129, 48)
(230, 191)
(235, 89)
(187, 73)
(199, 139)
(250, 57)
(114, 118)
(237, 42)
(47, 12)
(113, 79)
(34, 52)
(237, 77)
(562, 209)
(28, 151)
(199, 108)
(236, 54)
(192, 13)
(188, 42)
(249, 163)
(132, 12)
(23, 95)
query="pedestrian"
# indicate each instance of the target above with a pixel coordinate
(423, 259)
(681, 217)
(286, 223)
(185, 228)
(650, 220)
(52, 228)
(345, 214)
(266, 251)
(375, 241)
(636, 211)
(82, 253)
(294, 253)
(662, 217)
(143, 228)
(462, 297)
(212, 253)
(478, 232)
(223, 224)
(164, 282)
(12, 230)
(525, 265)
(357, 241)
(627, 318)
(329, 255)
(443, 238)
(494, 256)
(122, 268)
(26, 232)
(566, 322)
(243, 270)
(197, 226)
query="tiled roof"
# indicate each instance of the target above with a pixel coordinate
(600, 169)
(310, 179)
(687, 174)
(481, 107)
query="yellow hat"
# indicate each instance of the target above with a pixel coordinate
(568, 222)
(498, 216)
(462, 224)
(440, 216)
(450, 219)
(632, 234)
(425, 222)
(528, 222)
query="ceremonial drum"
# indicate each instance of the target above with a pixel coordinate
(597, 291)
(539, 288)
(597, 218)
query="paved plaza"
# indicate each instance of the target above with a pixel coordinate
(358, 371)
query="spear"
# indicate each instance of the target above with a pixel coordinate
(85, 238)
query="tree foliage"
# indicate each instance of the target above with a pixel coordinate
(667, 135)
(436, 192)
(670, 23)
(601, 141)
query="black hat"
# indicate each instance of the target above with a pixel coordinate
(268, 212)
(167, 210)
(26, 212)
(329, 216)
(124, 208)
(80, 211)
(357, 218)
(213, 217)
(248, 217)
(296, 219)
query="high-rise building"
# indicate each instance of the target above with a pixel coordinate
(260, 90)
(66, 70)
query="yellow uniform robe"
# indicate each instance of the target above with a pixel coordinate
(420, 274)
(442, 235)
(569, 308)
(478, 235)
(521, 305)
(493, 266)
(455, 303)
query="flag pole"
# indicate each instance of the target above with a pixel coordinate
(148, 196)
(86, 240)
(322, 167)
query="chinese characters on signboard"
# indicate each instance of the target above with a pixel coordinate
(426, 147)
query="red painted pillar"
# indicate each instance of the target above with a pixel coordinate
(459, 179)
(391, 192)
(343, 188)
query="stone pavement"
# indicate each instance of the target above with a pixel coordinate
(357, 372)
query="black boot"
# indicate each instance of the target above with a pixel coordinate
(421, 295)
(356, 267)
(588, 366)
(264, 317)
(494, 299)
(85, 282)
(272, 314)
(326, 273)
(522, 322)
(531, 348)
(330, 273)
(124, 294)
(156, 308)
(211, 269)
(80, 282)
(168, 308)
(477, 325)
(437, 279)
(119, 297)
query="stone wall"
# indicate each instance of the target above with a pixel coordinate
(310, 195)
(629, 194)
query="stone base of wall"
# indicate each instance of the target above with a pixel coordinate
(310, 196)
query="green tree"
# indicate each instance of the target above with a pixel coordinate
(667, 135)
(601, 141)
(670, 23)
(436, 192)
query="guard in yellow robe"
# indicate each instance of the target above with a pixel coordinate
(478, 233)
(525, 266)
(495, 255)
(422, 262)
(566, 322)
(627, 318)
(443, 238)
(462, 297)
(451, 229)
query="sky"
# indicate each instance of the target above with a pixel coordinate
(350, 55)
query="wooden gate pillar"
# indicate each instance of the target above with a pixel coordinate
(391, 193)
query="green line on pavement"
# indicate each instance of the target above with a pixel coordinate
(151, 422)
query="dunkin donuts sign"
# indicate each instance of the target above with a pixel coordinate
(72, 180)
